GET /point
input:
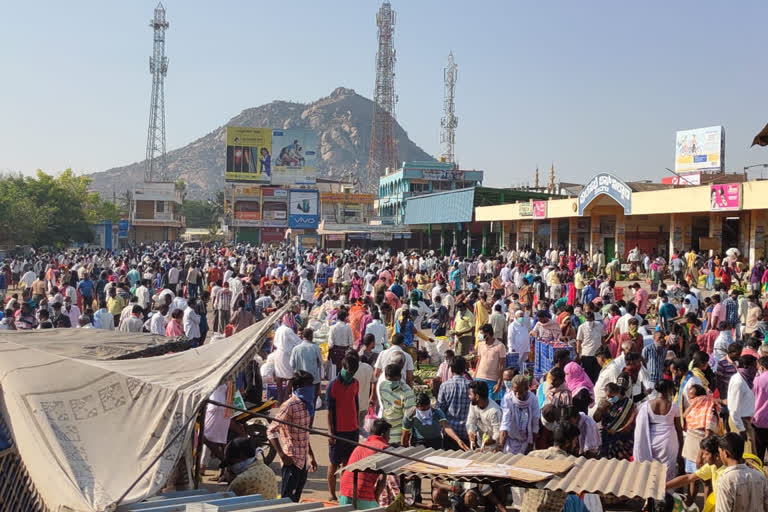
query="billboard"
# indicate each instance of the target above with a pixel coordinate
(725, 197)
(701, 149)
(294, 157)
(303, 209)
(249, 154)
(539, 209)
(274, 207)
(693, 178)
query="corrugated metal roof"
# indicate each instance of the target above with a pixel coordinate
(441, 207)
(227, 502)
(600, 476)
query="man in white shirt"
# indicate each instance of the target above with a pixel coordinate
(73, 312)
(484, 417)
(191, 321)
(156, 322)
(144, 295)
(519, 338)
(173, 278)
(588, 341)
(378, 330)
(392, 355)
(741, 398)
(134, 322)
(103, 319)
(622, 326)
(28, 278)
(340, 334)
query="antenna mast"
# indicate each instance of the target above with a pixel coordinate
(383, 153)
(158, 67)
(449, 122)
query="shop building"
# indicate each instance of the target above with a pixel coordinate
(414, 179)
(156, 212)
(613, 216)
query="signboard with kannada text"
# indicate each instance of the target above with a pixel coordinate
(539, 209)
(609, 185)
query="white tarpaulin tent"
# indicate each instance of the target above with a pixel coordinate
(86, 429)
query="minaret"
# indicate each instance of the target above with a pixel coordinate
(551, 186)
(536, 180)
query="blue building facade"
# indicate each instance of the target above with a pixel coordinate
(419, 178)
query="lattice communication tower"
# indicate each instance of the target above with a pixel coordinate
(449, 122)
(158, 67)
(383, 151)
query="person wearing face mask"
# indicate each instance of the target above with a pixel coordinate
(616, 414)
(519, 418)
(658, 433)
(395, 397)
(519, 339)
(343, 413)
(426, 426)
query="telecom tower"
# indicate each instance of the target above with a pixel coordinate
(449, 122)
(158, 67)
(383, 152)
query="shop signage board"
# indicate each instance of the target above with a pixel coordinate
(539, 209)
(442, 175)
(525, 209)
(609, 185)
(726, 197)
(303, 209)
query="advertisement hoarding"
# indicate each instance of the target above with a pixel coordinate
(539, 209)
(725, 197)
(303, 206)
(294, 157)
(690, 179)
(274, 207)
(249, 156)
(701, 149)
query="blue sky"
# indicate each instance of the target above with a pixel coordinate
(591, 86)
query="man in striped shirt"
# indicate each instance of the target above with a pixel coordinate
(292, 442)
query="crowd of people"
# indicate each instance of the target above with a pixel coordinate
(671, 365)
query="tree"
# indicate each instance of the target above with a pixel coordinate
(181, 188)
(50, 210)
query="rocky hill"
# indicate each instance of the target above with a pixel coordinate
(341, 120)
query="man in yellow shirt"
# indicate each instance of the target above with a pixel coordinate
(711, 470)
(115, 304)
(463, 328)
